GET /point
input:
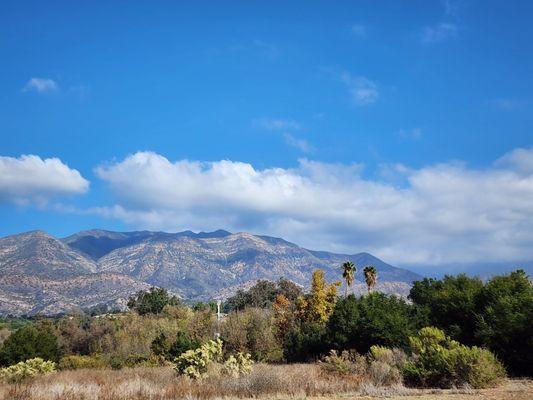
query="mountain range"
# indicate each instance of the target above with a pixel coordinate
(41, 274)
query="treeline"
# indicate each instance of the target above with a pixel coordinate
(278, 322)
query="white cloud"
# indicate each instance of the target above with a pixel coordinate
(30, 179)
(358, 30)
(41, 85)
(301, 144)
(519, 160)
(363, 90)
(436, 214)
(276, 124)
(439, 33)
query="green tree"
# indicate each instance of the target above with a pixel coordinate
(263, 294)
(373, 319)
(162, 346)
(305, 342)
(452, 304)
(201, 306)
(151, 302)
(348, 274)
(30, 341)
(371, 277)
(505, 324)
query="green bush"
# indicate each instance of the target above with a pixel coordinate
(29, 342)
(195, 363)
(438, 361)
(162, 346)
(82, 362)
(344, 363)
(237, 365)
(26, 369)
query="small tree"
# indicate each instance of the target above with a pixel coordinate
(152, 302)
(283, 317)
(318, 305)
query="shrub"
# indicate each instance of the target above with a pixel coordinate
(237, 365)
(27, 369)
(29, 342)
(439, 361)
(195, 363)
(201, 325)
(344, 363)
(385, 365)
(251, 331)
(4, 334)
(82, 362)
(162, 346)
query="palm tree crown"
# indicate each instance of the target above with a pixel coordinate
(348, 273)
(371, 277)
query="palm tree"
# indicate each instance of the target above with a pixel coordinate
(371, 277)
(348, 274)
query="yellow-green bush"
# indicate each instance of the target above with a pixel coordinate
(344, 363)
(439, 361)
(195, 363)
(238, 364)
(82, 362)
(27, 369)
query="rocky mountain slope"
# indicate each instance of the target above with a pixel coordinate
(39, 273)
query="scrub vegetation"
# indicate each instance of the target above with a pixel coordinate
(456, 334)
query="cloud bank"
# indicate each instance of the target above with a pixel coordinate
(437, 214)
(30, 179)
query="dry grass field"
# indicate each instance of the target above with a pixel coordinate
(266, 381)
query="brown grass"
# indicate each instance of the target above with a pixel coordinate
(266, 381)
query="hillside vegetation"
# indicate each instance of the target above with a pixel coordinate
(455, 332)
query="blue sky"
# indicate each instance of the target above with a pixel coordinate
(411, 117)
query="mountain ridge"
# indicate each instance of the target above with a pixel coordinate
(41, 273)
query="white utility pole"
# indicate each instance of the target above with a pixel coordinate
(217, 334)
